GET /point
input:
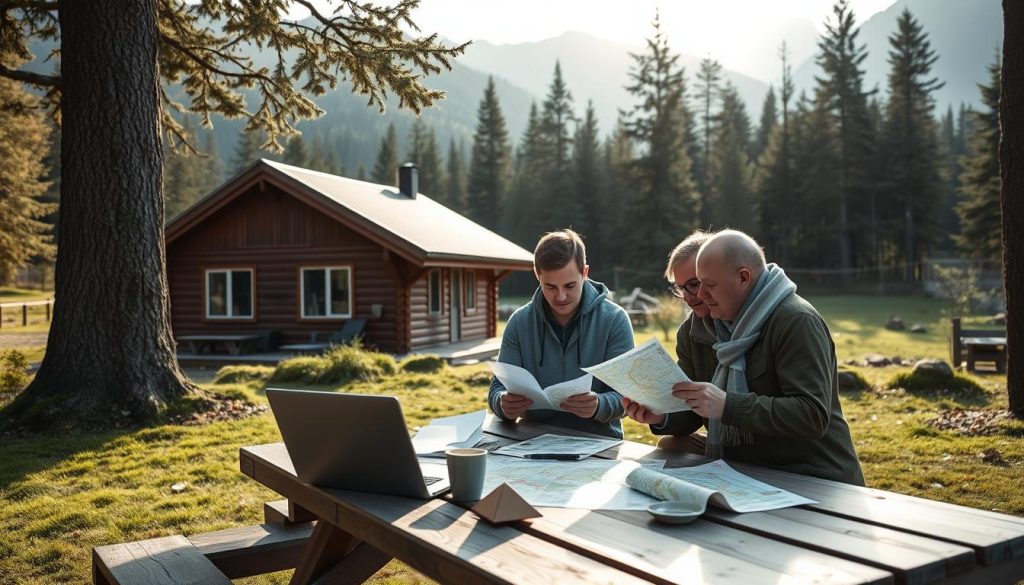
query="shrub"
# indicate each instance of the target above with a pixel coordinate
(13, 376)
(302, 369)
(668, 315)
(242, 373)
(339, 365)
(422, 364)
(852, 381)
(930, 383)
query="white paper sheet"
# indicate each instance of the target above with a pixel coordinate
(550, 444)
(644, 374)
(520, 381)
(463, 430)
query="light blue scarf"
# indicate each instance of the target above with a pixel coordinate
(734, 341)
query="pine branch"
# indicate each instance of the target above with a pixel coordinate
(30, 78)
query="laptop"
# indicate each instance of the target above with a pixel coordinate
(353, 442)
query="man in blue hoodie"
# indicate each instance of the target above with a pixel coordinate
(569, 324)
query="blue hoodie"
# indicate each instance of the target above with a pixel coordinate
(531, 342)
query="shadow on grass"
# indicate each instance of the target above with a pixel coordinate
(930, 385)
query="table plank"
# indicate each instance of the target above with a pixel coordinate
(440, 539)
(914, 560)
(995, 537)
(695, 553)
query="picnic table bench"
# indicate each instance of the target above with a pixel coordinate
(236, 344)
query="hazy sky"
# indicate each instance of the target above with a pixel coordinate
(741, 34)
(732, 31)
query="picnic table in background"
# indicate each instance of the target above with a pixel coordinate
(236, 343)
(852, 535)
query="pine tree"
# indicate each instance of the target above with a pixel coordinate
(910, 142)
(24, 143)
(729, 190)
(247, 151)
(387, 158)
(774, 181)
(840, 92)
(213, 167)
(708, 76)
(618, 155)
(523, 220)
(296, 153)
(182, 173)
(589, 184)
(563, 210)
(317, 158)
(810, 217)
(455, 178)
(489, 161)
(769, 119)
(980, 220)
(423, 152)
(662, 201)
(112, 164)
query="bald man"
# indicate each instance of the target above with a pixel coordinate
(765, 378)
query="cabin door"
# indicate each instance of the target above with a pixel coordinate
(456, 312)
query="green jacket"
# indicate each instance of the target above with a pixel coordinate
(793, 408)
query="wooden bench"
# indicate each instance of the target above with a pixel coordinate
(214, 557)
(971, 346)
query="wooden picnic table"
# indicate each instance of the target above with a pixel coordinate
(235, 343)
(852, 535)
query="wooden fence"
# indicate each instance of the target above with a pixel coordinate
(24, 308)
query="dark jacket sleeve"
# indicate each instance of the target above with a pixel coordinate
(687, 422)
(620, 340)
(803, 366)
(509, 354)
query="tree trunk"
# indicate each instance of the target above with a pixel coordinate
(110, 344)
(1011, 145)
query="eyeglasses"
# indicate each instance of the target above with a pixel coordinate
(690, 287)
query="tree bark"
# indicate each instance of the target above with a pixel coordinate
(110, 344)
(1011, 149)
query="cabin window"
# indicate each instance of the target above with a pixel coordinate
(434, 292)
(470, 290)
(229, 294)
(327, 292)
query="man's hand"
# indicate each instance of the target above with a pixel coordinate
(582, 405)
(705, 399)
(514, 405)
(640, 414)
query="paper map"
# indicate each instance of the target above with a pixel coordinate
(520, 381)
(593, 484)
(600, 484)
(645, 375)
(716, 481)
(559, 444)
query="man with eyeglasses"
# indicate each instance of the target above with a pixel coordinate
(764, 368)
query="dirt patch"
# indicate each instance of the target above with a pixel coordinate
(970, 422)
(22, 340)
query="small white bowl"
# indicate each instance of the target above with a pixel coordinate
(674, 512)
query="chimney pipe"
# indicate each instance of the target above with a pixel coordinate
(408, 180)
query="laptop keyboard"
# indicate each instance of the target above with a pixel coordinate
(431, 480)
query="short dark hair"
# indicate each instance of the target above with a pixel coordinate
(556, 249)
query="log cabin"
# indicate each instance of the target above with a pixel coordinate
(294, 251)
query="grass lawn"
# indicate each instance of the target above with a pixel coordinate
(62, 495)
